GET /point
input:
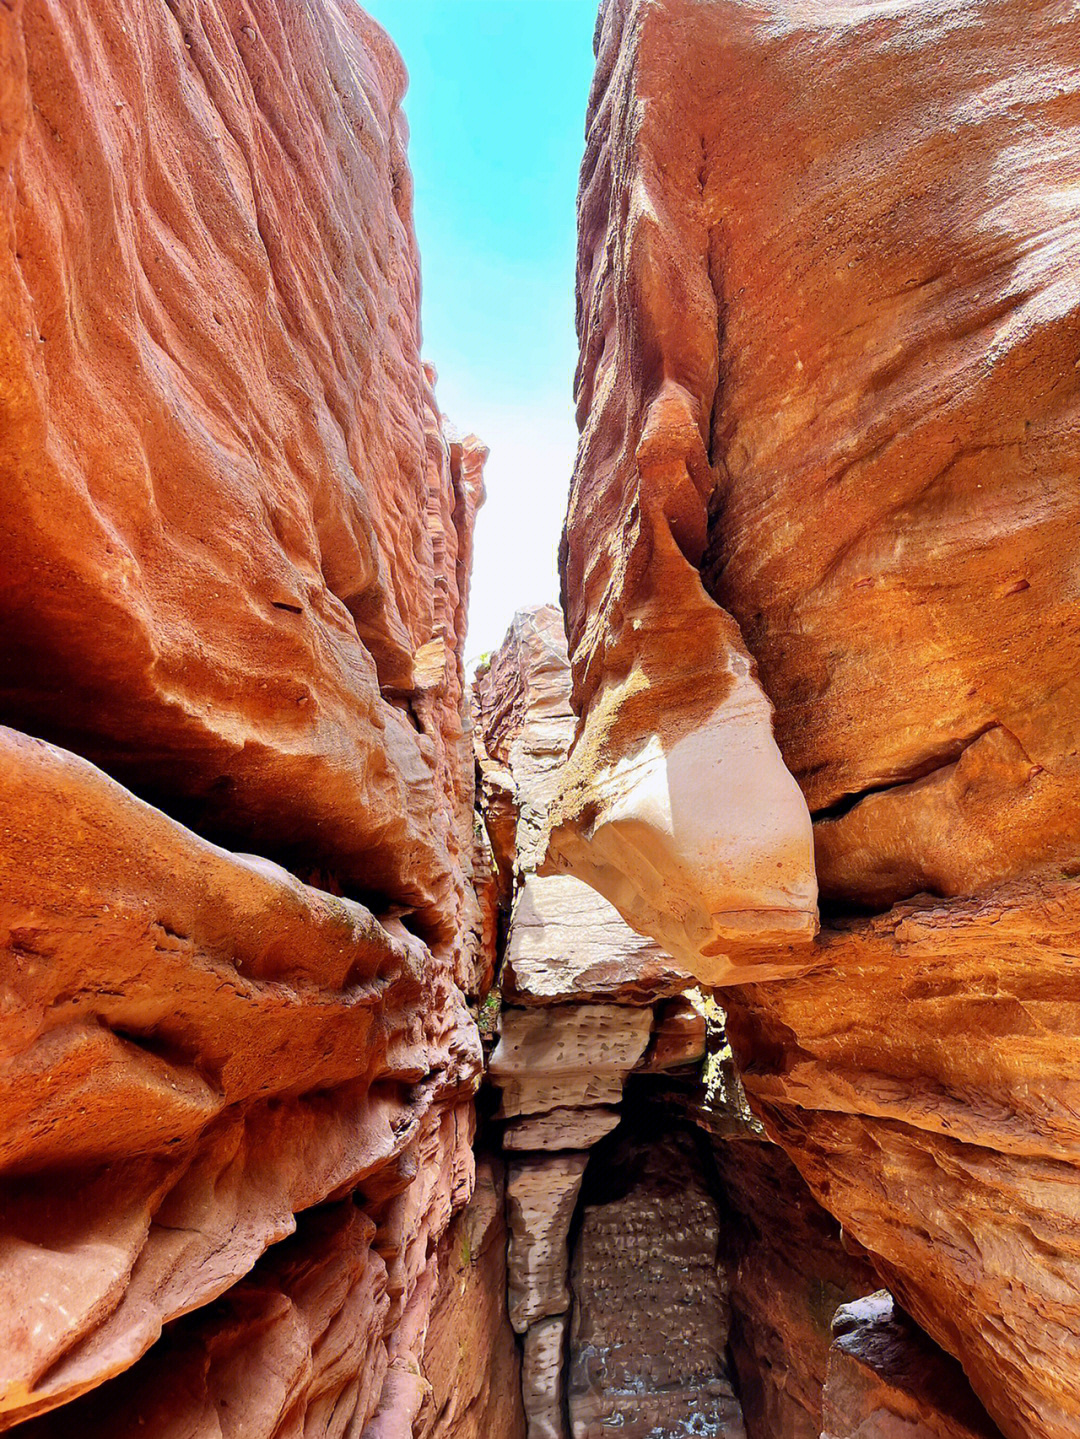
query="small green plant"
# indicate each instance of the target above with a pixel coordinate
(488, 1017)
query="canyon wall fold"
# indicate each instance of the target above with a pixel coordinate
(236, 1088)
(827, 484)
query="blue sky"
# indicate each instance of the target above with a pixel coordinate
(496, 109)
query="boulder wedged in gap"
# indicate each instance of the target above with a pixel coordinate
(886, 1377)
(566, 1056)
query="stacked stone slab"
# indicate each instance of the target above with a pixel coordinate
(586, 1002)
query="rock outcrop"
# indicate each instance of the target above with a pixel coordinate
(921, 1080)
(586, 1003)
(829, 321)
(885, 1379)
(649, 1331)
(235, 1088)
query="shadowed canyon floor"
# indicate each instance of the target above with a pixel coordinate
(670, 1030)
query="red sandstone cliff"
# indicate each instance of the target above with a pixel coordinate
(235, 1088)
(829, 320)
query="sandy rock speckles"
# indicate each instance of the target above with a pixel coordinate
(649, 1325)
(543, 1363)
(568, 1055)
(562, 1128)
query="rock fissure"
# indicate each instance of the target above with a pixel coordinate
(385, 1056)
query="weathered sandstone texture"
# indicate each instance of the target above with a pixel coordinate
(649, 1326)
(887, 1380)
(470, 1357)
(564, 941)
(542, 1367)
(787, 1274)
(541, 1193)
(230, 558)
(585, 1002)
(568, 1056)
(829, 326)
(922, 1079)
(235, 1098)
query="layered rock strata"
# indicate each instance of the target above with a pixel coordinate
(563, 941)
(236, 1097)
(886, 1379)
(828, 326)
(585, 1002)
(921, 1080)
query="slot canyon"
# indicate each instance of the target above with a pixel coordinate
(660, 1028)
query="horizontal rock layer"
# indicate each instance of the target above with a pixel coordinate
(921, 1080)
(567, 1056)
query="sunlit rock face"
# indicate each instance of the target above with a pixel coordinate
(676, 804)
(235, 1088)
(225, 484)
(889, 196)
(829, 326)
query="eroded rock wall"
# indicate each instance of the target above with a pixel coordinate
(585, 1002)
(649, 1330)
(236, 1089)
(828, 316)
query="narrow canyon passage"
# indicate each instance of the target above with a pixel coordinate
(667, 1026)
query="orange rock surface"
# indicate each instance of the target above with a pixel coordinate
(220, 452)
(922, 1081)
(235, 1098)
(829, 324)
(676, 803)
(470, 1357)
